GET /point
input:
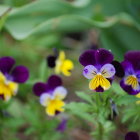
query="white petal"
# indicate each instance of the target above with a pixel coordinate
(90, 71)
(60, 92)
(44, 99)
(108, 70)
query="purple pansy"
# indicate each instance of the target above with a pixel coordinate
(99, 68)
(10, 76)
(62, 126)
(131, 81)
(132, 136)
(51, 94)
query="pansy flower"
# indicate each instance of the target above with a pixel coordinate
(131, 81)
(51, 95)
(98, 68)
(132, 136)
(60, 63)
(10, 77)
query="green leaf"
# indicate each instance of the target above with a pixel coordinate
(84, 96)
(126, 100)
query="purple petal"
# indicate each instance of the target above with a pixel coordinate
(103, 56)
(119, 69)
(51, 61)
(128, 88)
(88, 58)
(53, 82)
(138, 75)
(6, 64)
(20, 74)
(127, 66)
(62, 126)
(131, 136)
(39, 88)
(134, 58)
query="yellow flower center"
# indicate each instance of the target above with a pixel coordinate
(7, 88)
(99, 80)
(53, 106)
(132, 81)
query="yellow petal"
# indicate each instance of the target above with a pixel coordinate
(55, 105)
(97, 81)
(2, 77)
(67, 67)
(133, 81)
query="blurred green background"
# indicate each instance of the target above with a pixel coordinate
(31, 29)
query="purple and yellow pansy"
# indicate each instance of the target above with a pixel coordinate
(10, 77)
(60, 63)
(131, 65)
(98, 68)
(51, 95)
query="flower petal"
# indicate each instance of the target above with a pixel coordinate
(20, 74)
(6, 64)
(103, 56)
(134, 58)
(128, 88)
(67, 67)
(108, 70)
(60, 93)
(119, 69)
(54, 81)
(90, 71)
(51, 61)
(128, 67)
(131, 136)
(62, 126)
(39, 88)
(88, 58)
(98, 81)
(45, 99)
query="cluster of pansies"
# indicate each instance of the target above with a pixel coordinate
(99, 67)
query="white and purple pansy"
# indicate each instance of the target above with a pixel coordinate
(98, 68)
(131, 81)
(51, 94)
(10, 77)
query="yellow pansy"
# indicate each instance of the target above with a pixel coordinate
(138, 96)
(63, 65)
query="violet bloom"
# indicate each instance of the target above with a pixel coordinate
(62, 126)
(51, 94)
(131, 81)
(98, 68)
(10, 77)
(131, 136)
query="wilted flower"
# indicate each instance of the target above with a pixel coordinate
(131, 136)
(131, 81)
(62, 125)
(51, 95)
(60, 63)
(98, 68)
(10, 77)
